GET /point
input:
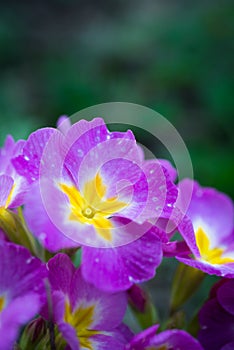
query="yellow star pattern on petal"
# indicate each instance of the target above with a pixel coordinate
(91, 207)
(211, 255)
(81, 319)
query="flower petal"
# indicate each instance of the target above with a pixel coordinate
(114, 269)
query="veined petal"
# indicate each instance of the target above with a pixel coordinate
(27, 164)
(88, 143)
(116, 269)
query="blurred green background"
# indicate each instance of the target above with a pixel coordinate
(57, 57)
(176, 57)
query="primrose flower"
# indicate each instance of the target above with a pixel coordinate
(111, 269)
(89, 176)
(168, 340)
(101, 224)
(21, 291)
(13, 187)
(216, 318)
(86, 317)
(212, 246)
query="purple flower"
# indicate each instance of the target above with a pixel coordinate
(89, 176)
(81, 169)
(86, 317)
(212, 242)
(168, 340)
(21, 291)
(216, 318)
(111, 269)
(13, 187)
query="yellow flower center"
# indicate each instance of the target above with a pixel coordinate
(91, 206)
(81, 319)
(88, 212)
(2, 303)
(211, 255)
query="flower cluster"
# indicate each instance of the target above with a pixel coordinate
(85, 219)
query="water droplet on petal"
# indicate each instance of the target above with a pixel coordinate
(170, 205)
(42, 236)
(80, 153)
(28, 261)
